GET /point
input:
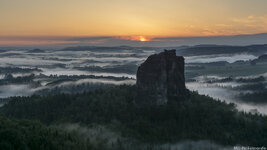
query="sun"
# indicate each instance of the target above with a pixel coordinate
(142, 39)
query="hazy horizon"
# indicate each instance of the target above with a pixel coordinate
(138, 41)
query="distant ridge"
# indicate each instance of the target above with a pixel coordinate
(36, 51)
(197, 50)
(256, 50)
(104, 48)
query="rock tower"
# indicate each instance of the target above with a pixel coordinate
(161, 78)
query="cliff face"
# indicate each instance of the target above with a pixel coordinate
(161, 77)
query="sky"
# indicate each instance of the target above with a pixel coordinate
(132, 22)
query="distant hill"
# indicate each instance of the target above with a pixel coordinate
(222, 49)
(103, 48)
(261, 58)
(36, 51)
(1, 51)
(118, 48)
(197, 50)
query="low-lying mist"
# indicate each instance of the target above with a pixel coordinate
(218, 58)
(82, 62)
(225, 92)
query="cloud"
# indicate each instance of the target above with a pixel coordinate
(246, 39)
(251, 24)
(90, 40)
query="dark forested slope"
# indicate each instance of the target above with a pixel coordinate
(199, 118)
(31, 135)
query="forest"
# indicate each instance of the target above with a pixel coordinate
(32, 135)
(197, 118)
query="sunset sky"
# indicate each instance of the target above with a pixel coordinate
(26, 22)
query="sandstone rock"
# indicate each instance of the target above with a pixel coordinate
(161, 78)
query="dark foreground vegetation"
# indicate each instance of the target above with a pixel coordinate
(32, 135)
(197, 118)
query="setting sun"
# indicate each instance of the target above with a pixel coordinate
(143, 39)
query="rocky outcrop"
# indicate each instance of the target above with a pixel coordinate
(161, 78)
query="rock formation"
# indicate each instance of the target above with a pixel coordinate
(161, 78)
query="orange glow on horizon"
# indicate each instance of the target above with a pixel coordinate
(135, 38)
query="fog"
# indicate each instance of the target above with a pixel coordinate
(212, 90)
(7, 61)
(225, 94)
(64, 63)
(2, 76)
(97, 81)
(69, 58)
(217, 58)
(15, 90)
(204, 80)
(28, 90)
(61, 71)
